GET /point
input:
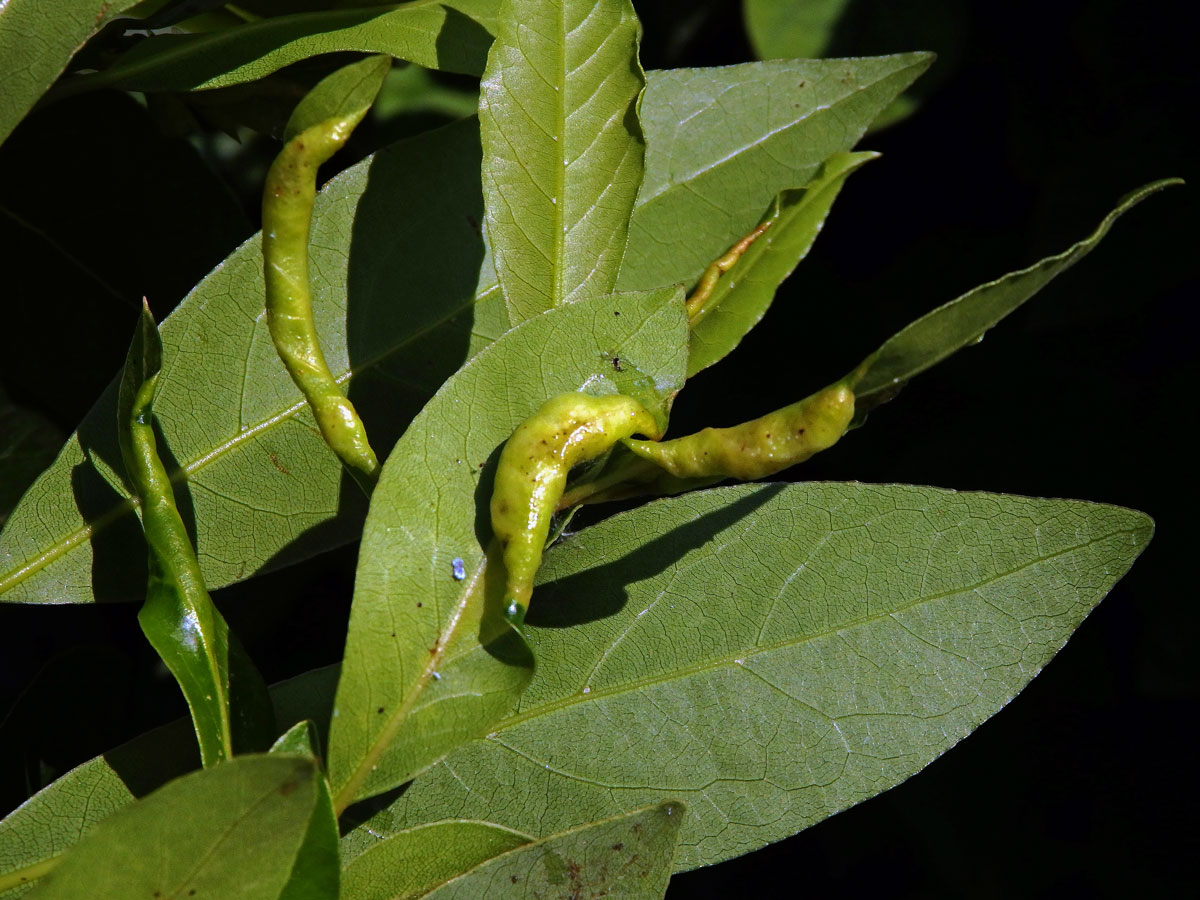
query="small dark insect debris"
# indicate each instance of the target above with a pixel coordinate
(514, 878)
(617, 364)
(192, 892)
(418, 604)
(615, 313)
(618, 846)
(799, 431)
(380, 710)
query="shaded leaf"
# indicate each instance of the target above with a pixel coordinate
(413, 862)
(627, 857)
(55, 818)
(436, 35)
(740, 300)
(562, 149)
(723, 142)
(787, 29)
(230, 831)
(317, 873)
(965, 320)
(28, 444)
(262, 486)
(37, 40)
(429, 660)
(773, 654)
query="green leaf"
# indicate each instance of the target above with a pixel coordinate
(965, 320)
(300, 738)
(317, 873)
(627, 857)
(436, 35)
(54, 819)
(264, 490)
(37, 40)
(723, 142)
(784, 29)
(562, 149)
(429, 661)
(773, 654)
(261, 485)
(413, 862)
(346, 92)
(234, 830)
(740, 299)
(28, 444)
(178, 617)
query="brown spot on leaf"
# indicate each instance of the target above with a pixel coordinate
(288, 787)
(276, 464)
(618, 846)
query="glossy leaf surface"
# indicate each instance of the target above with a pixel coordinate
(965, 320)
(414, 862)
(437, 35)
(723, 142)
(562, 150)
(178, 617)
(231, 831)
(774, 654)
(627, 857)
(742, 297)
(37, 40)
(429, 661)
(264, 490)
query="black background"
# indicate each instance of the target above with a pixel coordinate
(1035, 120)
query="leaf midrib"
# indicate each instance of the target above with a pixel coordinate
(20, 573)
(739, 657)
(676, 183)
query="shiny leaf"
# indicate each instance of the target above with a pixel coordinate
(436, 35)
(414, 862)
(562, 149)
(723, 142)
(627, 857)
(742, 297)
(234, 830)
(429, 661)
(773, 654)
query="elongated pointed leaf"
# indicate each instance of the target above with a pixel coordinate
(741, 299)
(37, 40)
(262, 486)
(231, 831)
(723, 142)
(265, 491)
(437, 35)
(178, 617)
(414, 862)
(429, 663)
(627, 857)
(316, 874)
(964, 321)
(773, 655)
(54, 819)
(562, 150)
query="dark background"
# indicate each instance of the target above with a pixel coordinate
(1036, 119)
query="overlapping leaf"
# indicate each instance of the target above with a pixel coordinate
(562, 149)
(739, 302)
(783, 29)
(627, 857)
(773, 655)
(37, 40)
(264, 489)
(55, 818)
(447, 34)
(723, 142)
(429, 663)
(28, 444)
(231, 831)
(414, 862)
